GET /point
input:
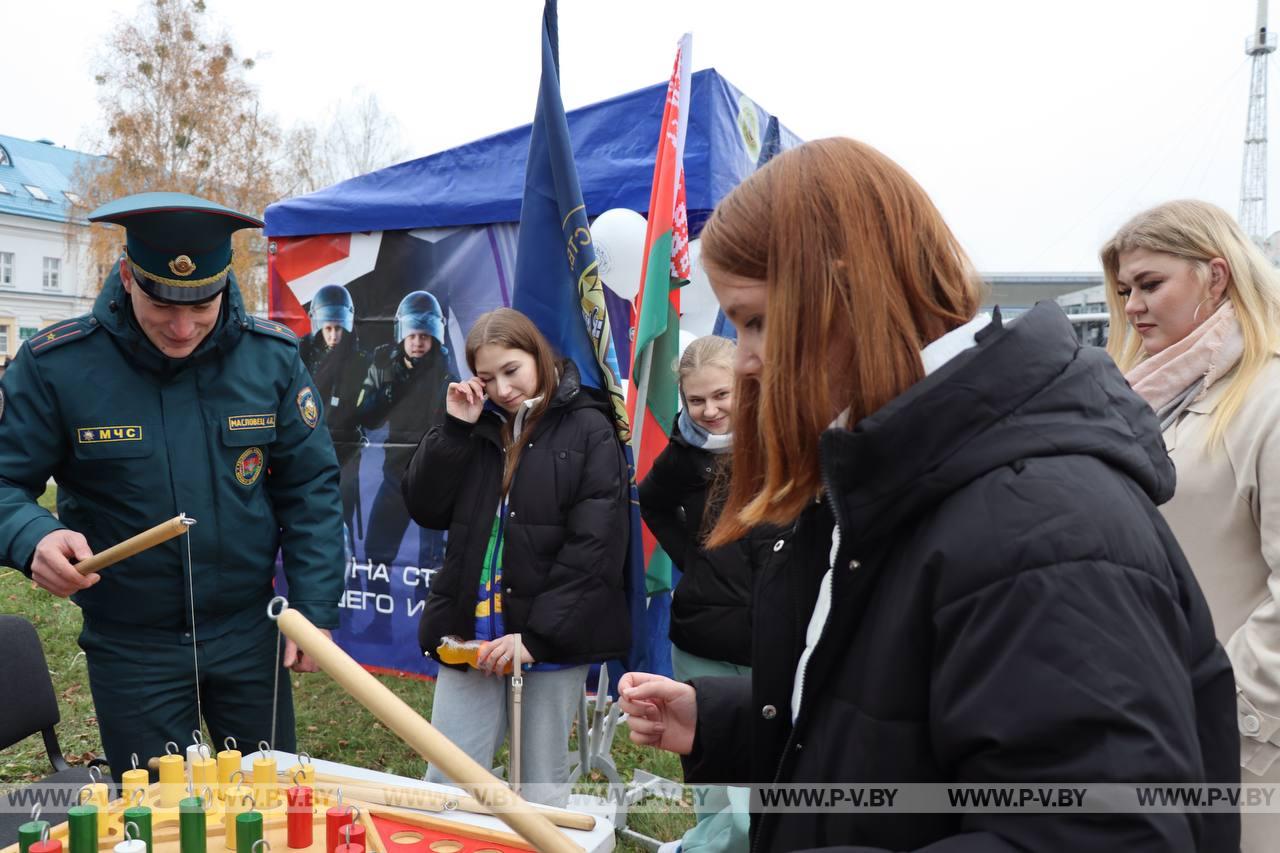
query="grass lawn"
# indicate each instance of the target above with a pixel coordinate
(330, 723)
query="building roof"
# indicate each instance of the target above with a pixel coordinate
(40, 165)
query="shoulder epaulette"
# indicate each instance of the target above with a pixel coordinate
(54, 336)
(272, 329)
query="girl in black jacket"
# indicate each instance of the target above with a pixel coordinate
(529, 478)
(711, 605)
(978, 587)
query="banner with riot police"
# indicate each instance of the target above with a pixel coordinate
(382, 319)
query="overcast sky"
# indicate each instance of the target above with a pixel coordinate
(1037, 127)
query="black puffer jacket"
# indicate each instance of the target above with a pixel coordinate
(711, 605)
(1007, 606)
(565, 533)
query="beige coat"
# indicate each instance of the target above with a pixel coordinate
(1226, 515)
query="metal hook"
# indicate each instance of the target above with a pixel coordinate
(206, 793)
(279, 601)
(266, 846)
(128, 826)
(133, 757)
(355, 813)
(304, 758)
(186, 520)
(197, 737)
(229, 743)
(299, 777)
(95, 775)
(139, 796)
(80, 794)
(234, 774)
(347, 828)
(35, 813)
(339, 806)
(177, 750)
(264, 747)
(44, 834)
(253, 804)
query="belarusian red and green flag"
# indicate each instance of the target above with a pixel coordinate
(652, 408)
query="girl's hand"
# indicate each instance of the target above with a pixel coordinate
(465, 400)
(660, 712)
(498, 656)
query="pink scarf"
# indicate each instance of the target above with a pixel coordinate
(1208, 353)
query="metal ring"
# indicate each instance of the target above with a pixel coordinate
(280, 601)
(95, 775)
(264, 747)
(177, 750)
(450, 805)
(130, 825)
(266, 846)
(229, 743)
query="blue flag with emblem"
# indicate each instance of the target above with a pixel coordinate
(559, 288)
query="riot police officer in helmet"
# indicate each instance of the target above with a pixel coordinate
(338, 365)
(405, 388)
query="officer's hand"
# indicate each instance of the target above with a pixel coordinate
(465, 400)
(51, 567)
(298, 660)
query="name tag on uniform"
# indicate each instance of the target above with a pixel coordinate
(333, 402)
(103, 434)
(236, 422)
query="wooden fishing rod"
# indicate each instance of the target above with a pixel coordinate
(162, 532)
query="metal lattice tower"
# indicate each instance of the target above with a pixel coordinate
(1253, 182)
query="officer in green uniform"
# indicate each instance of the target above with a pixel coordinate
(170, 398)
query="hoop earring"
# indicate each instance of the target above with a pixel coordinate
(1195, 317)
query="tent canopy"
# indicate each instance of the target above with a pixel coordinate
(614, 143)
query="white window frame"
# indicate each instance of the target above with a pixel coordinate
(51, 279)
(4, 338)
(6, 269)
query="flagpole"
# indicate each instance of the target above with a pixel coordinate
(641, 378)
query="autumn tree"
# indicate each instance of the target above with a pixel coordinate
(180, 115)
(357, 138)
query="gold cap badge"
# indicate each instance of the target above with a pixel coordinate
(182, 265)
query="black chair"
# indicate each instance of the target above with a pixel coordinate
(28, 705)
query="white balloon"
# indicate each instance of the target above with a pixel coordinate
(618, 236)
(686, 338)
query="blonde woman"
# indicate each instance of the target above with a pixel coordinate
(1195, 324)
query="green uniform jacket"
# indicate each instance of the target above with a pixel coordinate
(228, 436)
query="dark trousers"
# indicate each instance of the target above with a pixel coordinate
(144, 691)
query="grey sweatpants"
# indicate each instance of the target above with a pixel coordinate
(471, 710)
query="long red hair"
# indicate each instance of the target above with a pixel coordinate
(862, 273)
